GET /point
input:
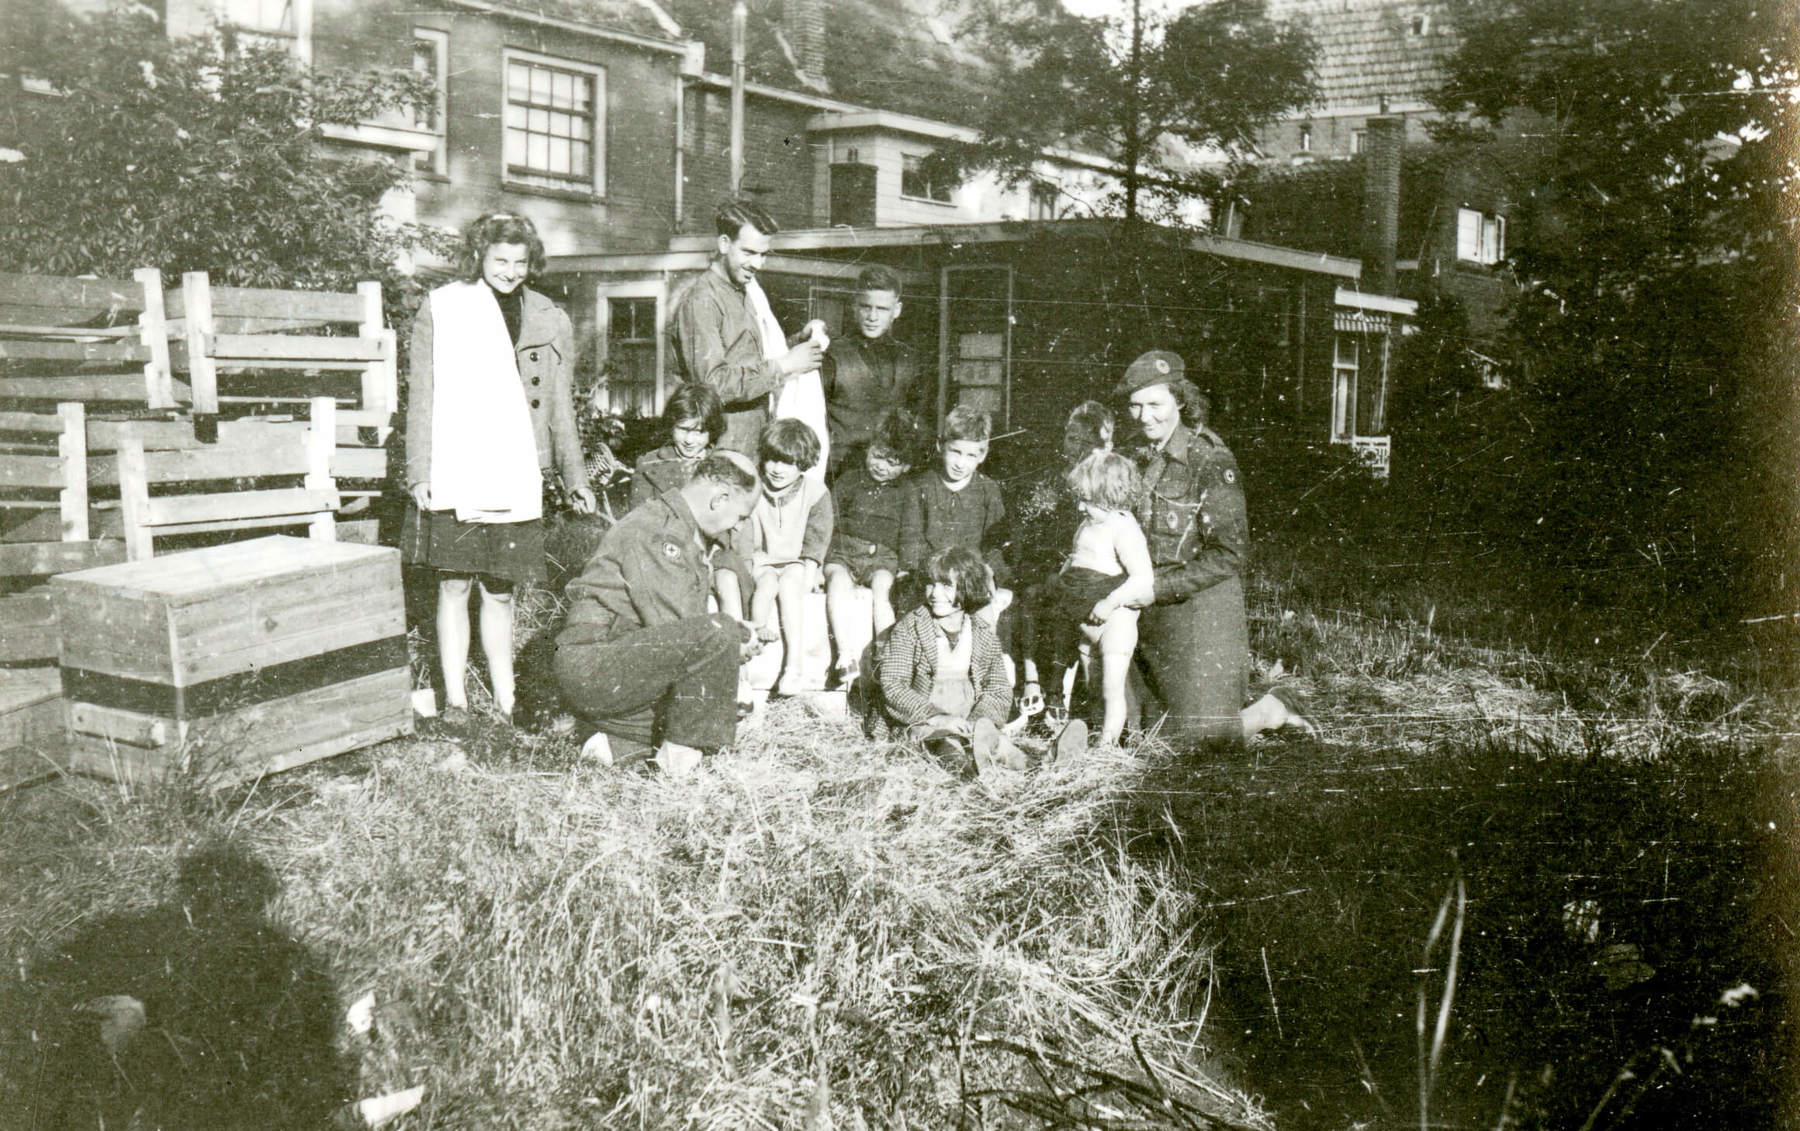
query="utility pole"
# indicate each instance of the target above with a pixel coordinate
(740, 16)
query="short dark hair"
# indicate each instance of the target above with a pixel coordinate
(789, 441)
(1194, 404)
(722, 469)
(966, 422)
(498, 227)
(878, 277)
(695, 402)
(963, 568)
(901, 434)
(1090, 425)
(734, 215)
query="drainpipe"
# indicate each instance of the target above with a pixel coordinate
(740, 16)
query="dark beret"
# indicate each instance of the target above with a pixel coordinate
(1155, 367)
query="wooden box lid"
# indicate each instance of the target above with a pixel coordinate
(199, 575)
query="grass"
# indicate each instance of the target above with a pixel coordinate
(824, 932)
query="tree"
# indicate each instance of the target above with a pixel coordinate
(1657, 317)
(188, 154)
(1132, 86)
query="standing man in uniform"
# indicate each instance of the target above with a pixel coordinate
(868, 373)
(640, 657)
(714, 331)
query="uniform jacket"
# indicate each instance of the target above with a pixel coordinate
(653, 568)
(715, 342)
(546, 356)
(657, 471)
(1192, 512)
(909, 667)
(863, 379)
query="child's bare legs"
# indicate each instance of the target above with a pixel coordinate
(1117, 641)
(763, 600)
(790, 600)
(840, 592)
(881, 600)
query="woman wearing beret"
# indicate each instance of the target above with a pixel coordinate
(1194, 641)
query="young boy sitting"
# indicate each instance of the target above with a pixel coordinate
(788, 534)
(865, 546)
(956, 505)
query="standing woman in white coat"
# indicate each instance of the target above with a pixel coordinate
(490, 418)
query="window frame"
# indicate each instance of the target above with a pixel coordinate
(603, 324)
(530, 179)
(919, 159)
(1485, 245)
(437, 162)
(1344, 375)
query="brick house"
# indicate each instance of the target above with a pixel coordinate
(606, 122)
(1377, 64)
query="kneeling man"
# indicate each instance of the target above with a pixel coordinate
(640, 657)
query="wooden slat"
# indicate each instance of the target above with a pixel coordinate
(31, 471)
(83, 294)
(359, 463)
(17, 330)
(27, 627)
(71, 448)
(183, 509)
(116, 725)
(32, 423)
(225, 462)
(203, 375)
(153, 332)
(96, 387)
(104, 522)
(226, 348)
(76, 351)
(37, 559)
(257, 302)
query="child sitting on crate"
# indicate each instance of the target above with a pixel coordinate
(865, 546)
(693, 420)
(956, 505)
(787, 536)
(943, 677)
(1094, 600)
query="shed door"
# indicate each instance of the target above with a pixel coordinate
(975, 340)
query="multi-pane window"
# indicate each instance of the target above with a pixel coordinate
(631, 356)
(1480, 236)
(916, 182)
(1044, 196)
(431, 50)
(553, 124)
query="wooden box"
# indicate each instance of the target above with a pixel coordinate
(233, 661)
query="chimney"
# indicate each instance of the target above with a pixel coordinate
(803, 26)
(1381, 200)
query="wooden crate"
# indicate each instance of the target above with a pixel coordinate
(233, 661)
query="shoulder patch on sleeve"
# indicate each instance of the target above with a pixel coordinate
(671, 551)
(1231, 475)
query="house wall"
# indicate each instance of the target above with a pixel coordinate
(778, 158)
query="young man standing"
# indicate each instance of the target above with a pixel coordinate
(715, 330)
(868, 373)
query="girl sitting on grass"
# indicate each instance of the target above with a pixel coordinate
(1094, 600)
(943, 677)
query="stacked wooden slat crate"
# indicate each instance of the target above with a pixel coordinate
(130, 413)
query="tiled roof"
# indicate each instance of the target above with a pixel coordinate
(1368, 48)
(638, 17)
(886, 54)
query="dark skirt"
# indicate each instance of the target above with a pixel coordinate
(1191, 666)
(1053, 611)
(509, 551)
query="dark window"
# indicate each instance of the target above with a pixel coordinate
(916, 180)
(551, 124)
(631, 356)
